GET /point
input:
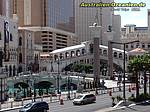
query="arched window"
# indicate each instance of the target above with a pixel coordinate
(120, 55)
(20, 41)
(105, 52)
(78, 53)
(11, 38)
(61, 56)
(115, 54)
(83, 51)
(66, 54)
(20, 57)
(72, 54)
(100, 51)
(55, 57)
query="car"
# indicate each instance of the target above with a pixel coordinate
(35, 107)
(147, 102)
(84, 99)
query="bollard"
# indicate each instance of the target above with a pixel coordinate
(22, 102)
(61, 101)
(50, 98)
(12, 104)
(41, 98)
(110, 93)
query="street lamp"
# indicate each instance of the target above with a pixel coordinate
(58, 75)
(124, 59)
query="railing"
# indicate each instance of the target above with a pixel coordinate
(56, 98)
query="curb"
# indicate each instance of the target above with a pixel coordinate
(8, 109)
(110, 109)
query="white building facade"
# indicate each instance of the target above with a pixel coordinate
(9, 44)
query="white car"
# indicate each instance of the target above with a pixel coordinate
(84, 99)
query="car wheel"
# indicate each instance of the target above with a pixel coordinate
(82, 103)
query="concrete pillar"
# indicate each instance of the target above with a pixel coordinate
(110, 59)
(96, 65)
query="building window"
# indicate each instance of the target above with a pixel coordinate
(126, 46)
(148, 45)
(132, 46)
(143, 45)
(20, 41)
(20, 57)
(115, 54)
(11, 38)
(105, 52)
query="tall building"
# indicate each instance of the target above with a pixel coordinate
(104, 16)
(86, 16)
(131, 33)
(50, 38)
(53, 13)
(5, 8)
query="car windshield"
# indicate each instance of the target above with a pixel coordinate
(28, 105)
(80, 96)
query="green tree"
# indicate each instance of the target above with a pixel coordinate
(137, 64)
(134, 66)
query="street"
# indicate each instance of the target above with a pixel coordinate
(103, 101)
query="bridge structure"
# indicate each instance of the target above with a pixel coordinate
(82, 54)
(55, 64)
(46, 82)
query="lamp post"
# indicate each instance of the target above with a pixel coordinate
(58, 75)
(145, 80)
(124, 59)
(68, 86)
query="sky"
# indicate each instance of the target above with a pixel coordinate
(139, 18)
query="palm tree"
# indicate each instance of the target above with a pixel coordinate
(134, 66)
(137, 64)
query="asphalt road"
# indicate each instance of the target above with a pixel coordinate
(103, 101)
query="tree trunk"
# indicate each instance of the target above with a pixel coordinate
(145, 80)
(137, 85)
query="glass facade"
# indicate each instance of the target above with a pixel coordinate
(61, 14)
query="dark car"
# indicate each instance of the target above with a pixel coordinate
(35, 107)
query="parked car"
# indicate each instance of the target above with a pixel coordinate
(84, 99)
(35, 107)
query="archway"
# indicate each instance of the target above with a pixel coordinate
(72, 86)
(22, 89)
(44, 87)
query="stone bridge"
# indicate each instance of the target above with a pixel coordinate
(82, 53)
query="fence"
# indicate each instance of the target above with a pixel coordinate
(51, 98)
